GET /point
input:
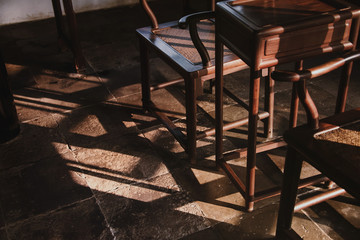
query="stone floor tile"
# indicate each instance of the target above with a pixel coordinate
(259, 224)
(170, 102)
(108, 164)
(39, 139)
(19, 76)
(82, 220)
(143, 185)
(41, 187)
(80, 88)
(213, 192)
(346, 225)
(307, 229)
(167, 147)
(87, 126)
(138, 216)
(348, 208)
(121, 82)
(208, 234)
(56, 92)
(33, 103)
(174, 154)
(124, 54)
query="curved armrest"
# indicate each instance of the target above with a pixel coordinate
(185, 21)
(300, 77)
(288, 76)
(191, 20)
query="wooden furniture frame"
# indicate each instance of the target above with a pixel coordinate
(193, 73)
(70, 40)
(273, 32)
(331, 145)
(9, 122)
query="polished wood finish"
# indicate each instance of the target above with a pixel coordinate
(323, 143)
(72, 40)
(9, 122)
(158, 38)
(267, 33)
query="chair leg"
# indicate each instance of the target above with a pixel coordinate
(269, 105)
(145, 74)
(294, 106)
(343, 88)
(252, 135)
(289, 191)
(59, 23)
(199, 87)
(190, 91)
(219, 82)
(80, 62)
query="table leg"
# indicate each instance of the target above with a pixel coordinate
(252, 134)
(269, 104)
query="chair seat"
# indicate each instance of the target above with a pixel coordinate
(334, 149)
(176, 45)
(180, 40)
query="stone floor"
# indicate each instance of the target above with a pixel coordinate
(90, 164)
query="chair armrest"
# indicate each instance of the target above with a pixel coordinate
(191, 20)
(299, 78)
(288, 76)
(185, 21)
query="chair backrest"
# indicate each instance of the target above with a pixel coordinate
(300, 77)
(186, 9)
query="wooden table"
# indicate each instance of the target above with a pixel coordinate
(265, 33)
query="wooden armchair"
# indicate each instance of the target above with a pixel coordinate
(331, 145)
(188, 46)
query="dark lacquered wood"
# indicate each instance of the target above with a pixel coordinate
(341, 168)
(278, 26)
(72, 41)
(267, 33)
(269, 104)
(9, 123)
(294, 105)
(344, 171)
(193, 74)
